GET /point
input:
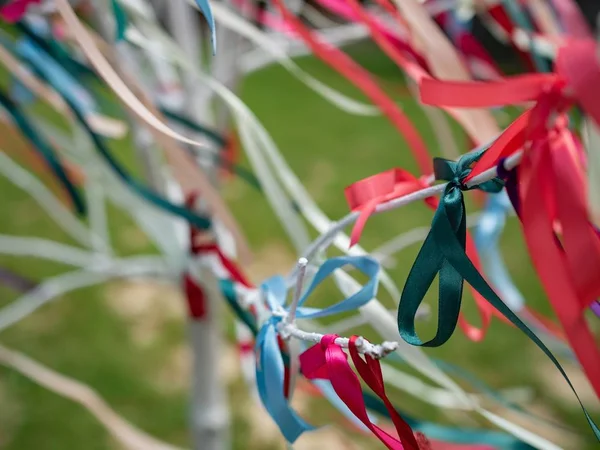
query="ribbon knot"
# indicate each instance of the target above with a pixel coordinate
(436, 256)
(455, 172)
(365, 195)
(270, 368)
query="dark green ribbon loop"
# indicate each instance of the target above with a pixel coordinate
(449, 222)
(443, 252)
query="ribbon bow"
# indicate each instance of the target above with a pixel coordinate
(270, 369)
(449, 224)
(576, 79)
(365, 195)
(328, 361)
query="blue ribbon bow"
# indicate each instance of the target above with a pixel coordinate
(270, 365)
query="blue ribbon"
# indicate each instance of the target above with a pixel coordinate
(56, 75)
(270, 364)
(208, 15)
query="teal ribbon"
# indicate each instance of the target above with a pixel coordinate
(449, 220)
(46, 152)
(120, 20)
(227, 288)
(444, 251)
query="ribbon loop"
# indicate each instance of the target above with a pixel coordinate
(431, 260)
(365, 195)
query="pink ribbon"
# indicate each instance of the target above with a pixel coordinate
(13, 11)
(328, 361)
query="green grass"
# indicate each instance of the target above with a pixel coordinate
(81, 336)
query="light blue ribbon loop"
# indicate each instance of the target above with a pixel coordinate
(270, 366)
(367, 265)
(270, 379)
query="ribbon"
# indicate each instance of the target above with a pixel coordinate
(449, 218)
(120, 20)
(204, 7)
(270, 367)
(118, 169)
(46, 151)
(488, 232)
(365, 195)
(327, 360)
(444, 251)
(15, 10)
(551, 192)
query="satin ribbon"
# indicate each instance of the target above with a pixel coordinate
(15, 10)
(449, 216)
(204, 7)
(487, 235)
(46, 151)
(270, 366)
(465, 439)
(56, 75)
(367, 194)
(120, 20)
(576, 68)
(444, 249)
(327, 360)
(551, 192)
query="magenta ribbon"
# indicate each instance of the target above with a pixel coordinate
(328, 361)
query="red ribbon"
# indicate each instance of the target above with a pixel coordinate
(328, 361)
(550, 192)
(196, 299)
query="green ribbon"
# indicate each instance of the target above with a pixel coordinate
(46, 151)
(449, 222)
(444, 251)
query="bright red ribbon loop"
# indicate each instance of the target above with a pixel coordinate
(365, 195)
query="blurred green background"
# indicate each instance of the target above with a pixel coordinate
(128, 340)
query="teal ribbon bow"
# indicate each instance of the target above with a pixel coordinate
(449, 223)
(444, 251)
